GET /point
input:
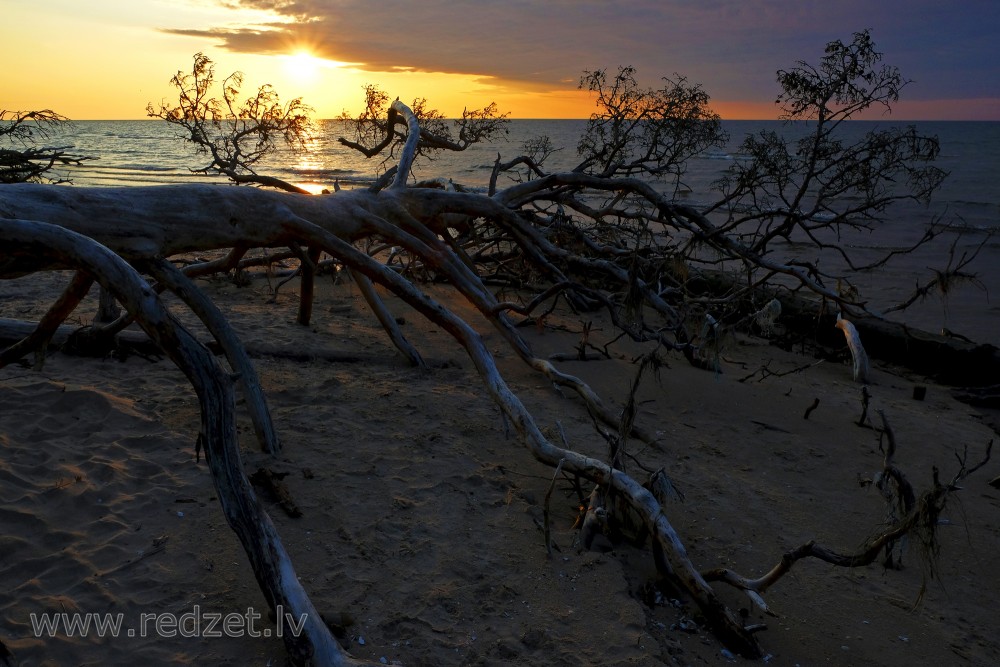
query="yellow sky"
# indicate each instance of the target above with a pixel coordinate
(94, 66)
(107, 59)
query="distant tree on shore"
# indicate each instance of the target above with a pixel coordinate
(236, 134)
(21, 160)
(376, 132)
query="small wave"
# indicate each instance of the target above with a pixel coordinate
(727, 157)
(147, 167)
(357, 180)
(972, 228)
(974, 204)
(871, 246)
(118, 179)
(320, 173)
(147, 137)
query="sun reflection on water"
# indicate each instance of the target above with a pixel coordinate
(308, 162)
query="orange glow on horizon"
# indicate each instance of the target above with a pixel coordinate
(744, 110)
(576, 104)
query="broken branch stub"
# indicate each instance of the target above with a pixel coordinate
(862, 367)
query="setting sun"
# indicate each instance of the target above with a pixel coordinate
(304, 67)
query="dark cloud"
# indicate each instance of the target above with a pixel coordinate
(732, 48)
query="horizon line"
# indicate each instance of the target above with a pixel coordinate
(737, 120)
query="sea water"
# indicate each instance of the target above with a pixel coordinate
(144, 152)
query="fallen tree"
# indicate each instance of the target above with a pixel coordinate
(244, 216)
(606, 235)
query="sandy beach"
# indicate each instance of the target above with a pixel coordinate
(421, 538)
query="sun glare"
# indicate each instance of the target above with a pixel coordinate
(303, 66)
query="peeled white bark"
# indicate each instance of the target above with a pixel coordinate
(862, 367)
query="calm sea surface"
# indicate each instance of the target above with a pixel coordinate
(148, 152)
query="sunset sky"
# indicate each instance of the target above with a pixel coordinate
(106, 59)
